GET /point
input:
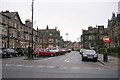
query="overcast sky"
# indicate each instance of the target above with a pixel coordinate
(69, 16)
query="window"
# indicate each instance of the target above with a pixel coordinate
(90, 31)
(4, 21)
(40, 40)
(56, 40)
(50, 45)
(50, 40)
(45, 40)
(101, 37)
(89, 38)
(15, 25)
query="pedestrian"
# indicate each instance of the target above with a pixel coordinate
(29, 52)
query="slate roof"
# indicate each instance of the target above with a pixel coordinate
(11, 14)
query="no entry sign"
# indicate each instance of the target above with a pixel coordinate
(106, 39)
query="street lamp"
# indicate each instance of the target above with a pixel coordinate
(67, 39)
(32, 21)
(66, 36)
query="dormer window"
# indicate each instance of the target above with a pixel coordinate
(15, 17)
(101, 31)
(15, 25)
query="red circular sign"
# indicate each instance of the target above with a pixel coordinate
(106, 39)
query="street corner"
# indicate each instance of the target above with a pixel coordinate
(109, 64)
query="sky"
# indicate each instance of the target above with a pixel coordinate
(69, 16)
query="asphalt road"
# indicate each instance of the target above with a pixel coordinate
(69, 65)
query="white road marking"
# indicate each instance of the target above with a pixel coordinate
(50, 66)
(6, 64)
(19, 65)
(9, 64)
(66, 60)
(75, 67)
(29, 66)
(40, 66)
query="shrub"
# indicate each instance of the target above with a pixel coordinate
(102, 50)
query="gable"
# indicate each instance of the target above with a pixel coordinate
(16, 17)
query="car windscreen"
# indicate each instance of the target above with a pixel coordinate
(45, 50)
(9, 50)
(89, 51)
(40, 49)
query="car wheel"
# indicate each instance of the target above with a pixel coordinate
(10, 55)
(95, 60)
(83, 59)
(56, 53)
(51, 54)
(4, 55)
(16, 55)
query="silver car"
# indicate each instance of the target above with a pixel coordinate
(89, 54)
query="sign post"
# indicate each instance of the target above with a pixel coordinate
(105, 55)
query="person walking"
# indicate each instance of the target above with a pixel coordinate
(29, 52)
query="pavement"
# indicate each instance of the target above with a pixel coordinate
(111, 63)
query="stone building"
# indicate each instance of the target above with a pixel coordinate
(93, 37)
(68, 44)
(114, 30)
(16, 34)
(3, 33)
(76, 46)
(50, 38)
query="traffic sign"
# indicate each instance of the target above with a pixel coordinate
(106, 39)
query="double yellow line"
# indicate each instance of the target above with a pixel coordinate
(107, 66)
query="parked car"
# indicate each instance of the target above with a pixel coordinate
(69, 50)
(43, 52)
(1, 53)
(82, 50)
(10, 52)
(54, 49)
(65, 50)
(61, 52)
(20, 51)
(89, 54)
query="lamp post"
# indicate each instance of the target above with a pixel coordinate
(67, 39)
(8, 43)
(32, 21)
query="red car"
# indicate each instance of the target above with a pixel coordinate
(61, 52)
(43, 52)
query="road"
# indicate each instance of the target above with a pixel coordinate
(69, 65)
